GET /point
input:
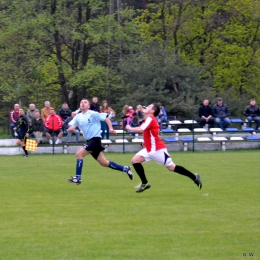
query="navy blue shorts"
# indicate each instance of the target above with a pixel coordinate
(21, 135)
(94, 146)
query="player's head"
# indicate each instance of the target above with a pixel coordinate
(21, 112)
(84, 104)
(153, 109)
(52, 111)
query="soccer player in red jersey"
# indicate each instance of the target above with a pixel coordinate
(155, 149)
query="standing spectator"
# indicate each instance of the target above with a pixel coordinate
(53, 126)
(221, 113)
(206, 114)
(127, 115)
(94, 105)
(46, 111)
(162, 117)
(104, 108)
(252, 114)
(66, 126)
(14, 116)
(30, 113)
(139, 114)
(37, 127)
(65, 111)
(22, 129)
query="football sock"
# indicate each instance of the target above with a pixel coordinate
(116, 166)
(25, 151)
(140, 171)
(79, 166)
(181, 170)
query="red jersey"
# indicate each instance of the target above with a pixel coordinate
(152, 140)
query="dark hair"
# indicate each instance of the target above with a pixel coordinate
(156, 109)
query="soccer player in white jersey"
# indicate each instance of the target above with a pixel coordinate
(89, 123)
(155, 149)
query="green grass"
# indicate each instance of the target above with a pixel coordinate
(43, 217)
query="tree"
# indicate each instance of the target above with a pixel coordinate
(220, 35)
(157, 74)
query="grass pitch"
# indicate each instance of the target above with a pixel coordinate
(44, 217)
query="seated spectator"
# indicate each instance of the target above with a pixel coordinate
(14, 116)
(94, 105)
(53, 126)
(22, 129)
(127, 115)
(65, 111)
(206, 114)
(252, 113)
(221, 113)
(46, 111)
(30, 113)
(66, 126)
(37, 127)
(104, 108)
(162, 117)
(139, 114)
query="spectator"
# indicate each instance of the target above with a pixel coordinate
(205, 114)
(221, 113)
(53, 126)
(30, 113)
(65, 111)
(127, 115)
(14, 116)
(252, 114)
(76, 130)
(162, 117)
(104, 108)
(94, 105)
(37, 127)
(46, 111)
(22, 128)
(139, 114)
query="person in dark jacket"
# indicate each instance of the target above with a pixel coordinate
(22, 129)
(37, 127)
(252, 113)
(206, 114)
(221, 113)
(94, 105)
(65, 111)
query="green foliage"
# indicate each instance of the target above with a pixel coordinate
(159, 75)
(220, 35)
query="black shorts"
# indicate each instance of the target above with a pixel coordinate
(21, 135)
(53, 132)
(94, 146)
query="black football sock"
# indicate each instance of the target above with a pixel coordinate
(181, 170)
(25, 151)
(140, 171)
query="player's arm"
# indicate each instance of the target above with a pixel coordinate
(73, 124)
(110, 127)
(137, 129)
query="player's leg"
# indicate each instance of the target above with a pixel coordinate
(79, 164)
(162, 157)
(100, 157)
(137, 161)
(22, 141)
(183, 171)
